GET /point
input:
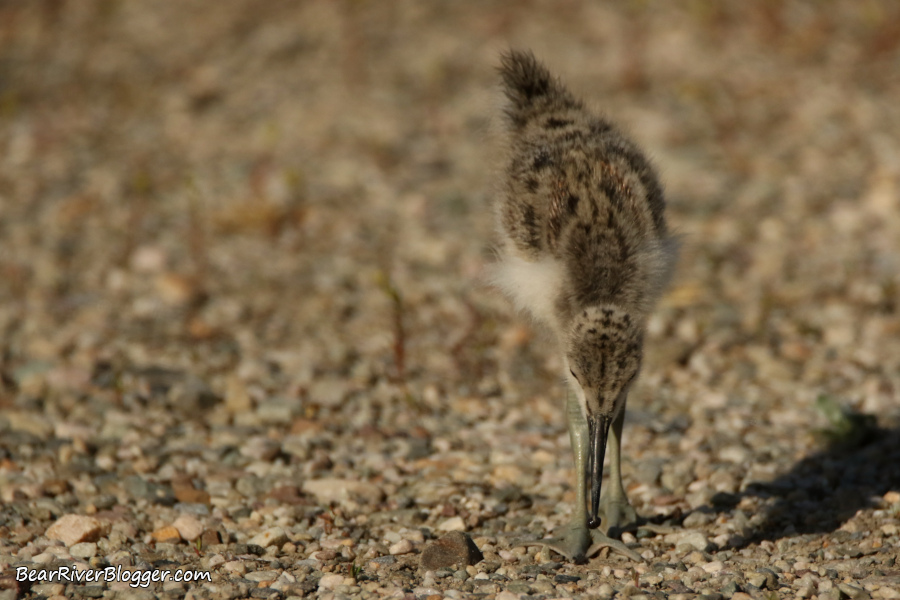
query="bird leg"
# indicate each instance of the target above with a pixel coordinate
(578, 542)
(616, 512)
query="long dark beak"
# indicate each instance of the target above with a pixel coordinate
(599, 430)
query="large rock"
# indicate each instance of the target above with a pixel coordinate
(74, 529)
(455, 549)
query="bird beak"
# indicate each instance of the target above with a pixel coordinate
(599, 430)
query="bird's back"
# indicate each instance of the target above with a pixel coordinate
(580, 199)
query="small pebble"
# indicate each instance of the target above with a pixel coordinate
(235, 566)
(853, 592)
(83, 550)
(336, 490)
(189, 527)
(274, 536)
(713, 567)
(261, 448)
(452, 549)
(330, 581)
(453, 524)
(401, 547)
(166, 534)
(692, 539)
(259, 576)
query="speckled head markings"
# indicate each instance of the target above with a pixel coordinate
(584, 245)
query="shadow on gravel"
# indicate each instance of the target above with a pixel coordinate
(825, 489)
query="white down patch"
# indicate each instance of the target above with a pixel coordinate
(532, 286)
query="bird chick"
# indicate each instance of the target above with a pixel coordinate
(583, 247)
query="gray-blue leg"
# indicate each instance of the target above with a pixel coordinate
(577, 542)
(616, 512)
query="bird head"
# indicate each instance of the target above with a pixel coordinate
(603, 352)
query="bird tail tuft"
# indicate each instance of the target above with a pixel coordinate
(530, 88)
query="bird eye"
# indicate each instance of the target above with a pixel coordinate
(574, 375)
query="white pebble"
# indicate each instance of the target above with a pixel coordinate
(453, 524)
(713, 567)
(235, 566)
(83, 550)
(401, 547)
(274, 536)
(331, 581)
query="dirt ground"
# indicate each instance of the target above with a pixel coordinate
(244, 327)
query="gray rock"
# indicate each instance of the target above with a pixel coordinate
(853, 592)
(258, 576)
(519, 587)
(8, 594)
(250, 486)
(756, 579)
(139, 488)
(453, 549)
(698, 518)
(194, 508)
(730, 589)
(105, 501)
(771, 582)
(648, 471)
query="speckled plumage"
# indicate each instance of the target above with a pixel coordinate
(585, 249)
(580, 199)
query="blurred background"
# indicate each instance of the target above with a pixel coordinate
(274, 216)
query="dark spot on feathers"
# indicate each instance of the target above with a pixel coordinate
(541, 160)
(598, 127)
(531, 225)
(554, 123)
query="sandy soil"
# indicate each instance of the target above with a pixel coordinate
(245, 328)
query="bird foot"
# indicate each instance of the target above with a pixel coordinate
(616, 516)
(578, 544)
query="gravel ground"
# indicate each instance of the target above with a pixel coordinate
(245, 329)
